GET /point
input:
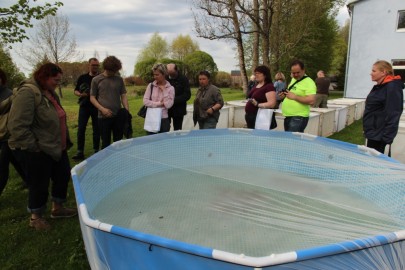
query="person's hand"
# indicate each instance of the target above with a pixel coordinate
(291, 95)
(210, 111)
(254, 102)
(282, 94)
(106, 112)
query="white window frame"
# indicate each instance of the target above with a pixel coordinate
(398, 63)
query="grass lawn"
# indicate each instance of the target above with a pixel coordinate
(62, 247)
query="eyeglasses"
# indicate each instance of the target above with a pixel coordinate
(95, 65)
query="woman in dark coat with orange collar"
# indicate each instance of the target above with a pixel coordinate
(384, 106)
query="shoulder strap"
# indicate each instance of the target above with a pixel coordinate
(151, 90)
(289, 88)
(37, 93)
(5, 105)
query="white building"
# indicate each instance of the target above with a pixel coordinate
(377, 32)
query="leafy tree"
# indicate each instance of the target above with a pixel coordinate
(316, 47)
(143, 69)
(338, 67)
(182, 46)
(157, 48)
(223, 79)
(305, 35)
(15, 18)
(277, 30)
(198, 61)
(14, 75)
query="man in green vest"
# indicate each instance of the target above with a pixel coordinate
(298, 98)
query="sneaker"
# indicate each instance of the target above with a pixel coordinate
(40, 224)
(78, 156)
(64, 212)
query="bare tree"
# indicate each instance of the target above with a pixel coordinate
(53, 41)
(224, 21)
(256, 37)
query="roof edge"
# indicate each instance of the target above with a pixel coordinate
(351, 2)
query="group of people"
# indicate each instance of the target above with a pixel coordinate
(101, 97)
(39, 139)
(296, 99)
(383, 107)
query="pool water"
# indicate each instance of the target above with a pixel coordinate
(243, 210)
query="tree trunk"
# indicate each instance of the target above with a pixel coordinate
(256, 37)
(239, 43)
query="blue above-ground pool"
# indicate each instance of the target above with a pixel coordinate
(241, 199)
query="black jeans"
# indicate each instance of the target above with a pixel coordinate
(85, 112)
(108, 125)
(377, 145)
(6, 157)
(250, 120)
(41, 168)
(164, 126)
(295, 123)
(177, 122)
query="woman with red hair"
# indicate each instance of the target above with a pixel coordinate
(39, 140)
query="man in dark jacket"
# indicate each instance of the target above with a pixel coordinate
(182, 94)
(86, 110)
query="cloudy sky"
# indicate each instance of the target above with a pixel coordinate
(123, 27)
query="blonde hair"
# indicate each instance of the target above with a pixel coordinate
(383, 65)
(160, 68)
(280, 76)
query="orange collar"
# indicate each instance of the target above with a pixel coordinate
(390, 78)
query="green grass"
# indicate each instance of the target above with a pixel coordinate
(62, 247)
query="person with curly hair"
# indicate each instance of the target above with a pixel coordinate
(108, 93)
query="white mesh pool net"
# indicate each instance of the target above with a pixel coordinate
(249, 192)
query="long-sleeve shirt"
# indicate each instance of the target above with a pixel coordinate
(158, 95)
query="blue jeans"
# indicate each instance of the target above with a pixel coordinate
(295, 123)
(85, 112)
(209, 123)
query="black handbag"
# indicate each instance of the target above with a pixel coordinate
(143, 109)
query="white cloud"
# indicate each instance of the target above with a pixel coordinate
(123, 27)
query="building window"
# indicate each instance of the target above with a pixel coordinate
(399, 68)
(401, 20)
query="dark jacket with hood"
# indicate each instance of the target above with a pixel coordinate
(384, 106)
